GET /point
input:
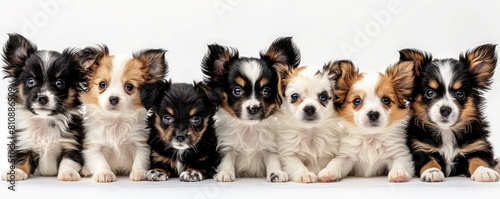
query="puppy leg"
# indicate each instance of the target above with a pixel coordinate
(430, 171)
(68, 170)
(400, 169)
(336, 169)
(273, 168)
(481, 172)
(22, 169)
(48, 163)
(226, 168)
(141, 163)
(97, 164)
(297, 171)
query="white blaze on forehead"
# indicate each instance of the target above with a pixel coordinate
(252, 70)
(368, 83)
(47, 60)
(446, 74)
(118, 68)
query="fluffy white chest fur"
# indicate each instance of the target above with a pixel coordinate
(448, 149)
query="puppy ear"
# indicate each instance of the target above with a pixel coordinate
(333, 71)
(89, 57)
(215, 62)
(419, 58)
(154, 61)
(152, 93)
(402, 76)
(345, 78)
(282, 50)
(17, 49)
(213, 94)
(284, 73)
(481, 62)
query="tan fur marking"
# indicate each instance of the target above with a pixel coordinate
(457, 85)
(101, 73)
(170, 111)
(165, 134)
(431, 164)
(263, 82)
(433, 84)
(240, 81)
(479, 145)
(475, 163)
(468, 115)
(424, 147)
(192, 112)
(25, 166)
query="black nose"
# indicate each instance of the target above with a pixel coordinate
(42, 99)
(180, 138)
(373, 115)
(310, 110)
(253, 110)
(445, 110)
(114, 100)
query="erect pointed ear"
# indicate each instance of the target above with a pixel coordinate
(420, 59)
(154, 61)
(284, 51)
(215, 62)
(481, 62)
(89, 57)
(345, 78)
(152, 93)
(16, 51)
(213, 94)
(402, 76)
(333, 71)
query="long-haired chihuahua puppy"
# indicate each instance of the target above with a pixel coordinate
(448, 132)
(115, 122)
(245, 127)
(375, 111)
(49, 130)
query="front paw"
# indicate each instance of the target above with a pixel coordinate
(104, 176)
(277, 176)
(137, 175)
(191, 176)
(17, 176)
(399, 175)
(484, 174)
(308, 177)
(68, 175)
(432, 175)
(155, 175)
(225, 176)
(329, 175)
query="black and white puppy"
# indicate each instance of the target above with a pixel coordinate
(448, 132)
(49, 128)
(182, 136)
(250, 96)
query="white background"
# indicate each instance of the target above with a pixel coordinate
(368, 32)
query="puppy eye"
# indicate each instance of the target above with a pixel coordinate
(237, 91)
(460, 95)
(322, 97)
(429, 93)
(357, 101)
(385, 100)
(129, 88)
(266, 91)
(102, 85)
(60, 84)
(294, 97)
(31, 82)
(167, 119)
(195, 120)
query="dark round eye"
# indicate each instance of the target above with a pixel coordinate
(237, 91)
(129, 87)
(460, 94)
(102, 85)
(294, 97)
(60, 84)
(168, 119)
(266, 91)
(357, 101)
(385, 100)
(31, 82)
(429, 93)
(195, 120)
(322, 97)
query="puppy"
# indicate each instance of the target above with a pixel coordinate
(448, 132)
(182, 137)
(116, 134)
(245, 124)
(49, 130)
(374, 108)
(308, 130)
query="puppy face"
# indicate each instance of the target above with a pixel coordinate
(248, 86)
(447, 90)
(47, 81)
(182, 112)
(114, 79)
(374, 100)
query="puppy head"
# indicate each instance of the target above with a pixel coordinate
(249, 87)
(47, 82)
(182, 112)
(308, 92)
(447, 91)
(114, 79)
(374, 100)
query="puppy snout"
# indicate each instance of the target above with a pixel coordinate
(252, 110)
(309, 110)
(42, 99)
(445, 111)
(180, 138)
(373, 115)
(113, 100)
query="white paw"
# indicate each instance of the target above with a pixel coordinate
(225, 176)
(68, 175)
(104, 176)
(137, 175)
(191, 176)
(155, 175)
(329, 175)
(483, 174)
(85, 172)
(277, 176)
(432, 175)
(308, 177)
(17, 176)
(399, 175)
